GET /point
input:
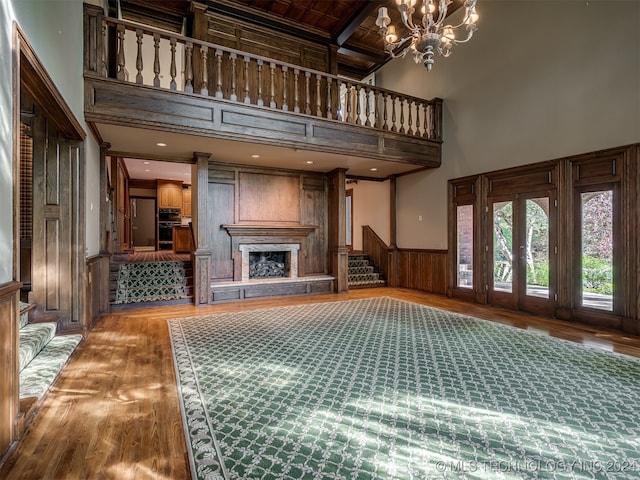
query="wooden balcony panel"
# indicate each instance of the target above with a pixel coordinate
(225, 93)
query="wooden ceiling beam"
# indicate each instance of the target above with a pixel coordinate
(352, 24)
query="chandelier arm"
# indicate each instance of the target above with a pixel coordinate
(442, 12)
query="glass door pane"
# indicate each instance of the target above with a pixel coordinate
(465, 245)
(536, 249)
(503, 246)
(596, 269)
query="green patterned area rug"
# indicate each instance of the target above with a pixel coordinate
(386, 389)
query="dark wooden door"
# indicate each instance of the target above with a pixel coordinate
(53, 243)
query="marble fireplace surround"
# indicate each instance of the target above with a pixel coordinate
(268, 238)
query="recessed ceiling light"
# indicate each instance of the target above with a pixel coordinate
(255, 155)
(374, 169)
(310, 162)
(147, 170)
(146, 163)
(160, 144)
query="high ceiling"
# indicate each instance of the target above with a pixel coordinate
(348, 25)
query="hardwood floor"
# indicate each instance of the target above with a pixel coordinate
(114, 412)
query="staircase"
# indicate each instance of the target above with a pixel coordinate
(362, 274)
(42, 354)
(150, 284)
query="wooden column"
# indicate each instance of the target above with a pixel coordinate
(199, 215)
(9, 383)
(338, 251)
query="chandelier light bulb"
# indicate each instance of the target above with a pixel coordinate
(391, 34)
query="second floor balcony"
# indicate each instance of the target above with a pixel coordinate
(141, 77)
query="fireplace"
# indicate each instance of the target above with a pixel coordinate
(266, 261)
(268, 265)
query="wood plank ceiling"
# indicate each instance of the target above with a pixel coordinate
(349, 25)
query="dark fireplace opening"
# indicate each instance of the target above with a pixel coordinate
(269, 264)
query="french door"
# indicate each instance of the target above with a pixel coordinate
(523, 251)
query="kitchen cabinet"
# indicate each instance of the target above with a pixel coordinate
(169, 194)
(182, 239)
(186, 202)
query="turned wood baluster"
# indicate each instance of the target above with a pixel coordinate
(329, 115)
(349, 119)
(260, 101)
(393, 113)
(367, 107)
(358, 102)
(205, 71)
(188, 68)
(120, 72)
(234, 95)
(385, 126)
(247, 59)
(272, 92)
(139, 64)
(376, 109)
(339, 113)
(219, 93)
(172, 67)
(296, 98)
(285, 69)
(103, 51)
(410, 119)
(426, 116)
(318, 101)
(307, 101)
(402, 100)
(418, 105)
(156, 59)
(432, 121)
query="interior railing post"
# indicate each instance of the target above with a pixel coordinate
(272, 90)
(438, 119)
(139, 62)
(204, 50)
(358, 102)
(376, 109)
(318, 97)
(103, 51)
(121, 73)
(260, 101)
(385, 126)
(234, 95)
(418, 104)
(367, 107)
(432, 123)
(329, 100)
(188, 68)
(402, 130)
(348, 102)
(156, 59)
(425, 133)
(393, 113)
(285, 106)
(296, 98)
(409, 116)
(172, 68)
(307, 98)
(339, 112)
(247, 59)
(218, 55)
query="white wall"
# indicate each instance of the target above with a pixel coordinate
(6, 150)
(539, 80)
(371, 206)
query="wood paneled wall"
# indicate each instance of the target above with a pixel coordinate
(249, 196)
(9, 387)
(97, 289)
(418, 269)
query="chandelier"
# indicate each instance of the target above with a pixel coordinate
(429, 35)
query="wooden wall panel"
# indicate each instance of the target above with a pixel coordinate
(314, 212)
(268, 198)
(9, 388)
(221, 212)
(424, 270)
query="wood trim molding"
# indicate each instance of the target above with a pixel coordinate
(35, 80)
(266, 230)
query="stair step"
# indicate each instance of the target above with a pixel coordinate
(363, 277)
(367, 284)
(42, 371)
(33, 339)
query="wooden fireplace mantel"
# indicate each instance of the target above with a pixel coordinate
(269, 230)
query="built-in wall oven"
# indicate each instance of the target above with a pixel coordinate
(167, 219)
